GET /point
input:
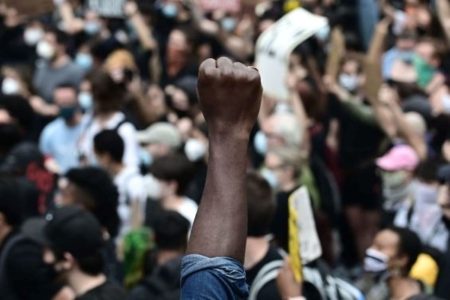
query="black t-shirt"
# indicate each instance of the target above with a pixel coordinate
(105, 291)
(280, 226)
(270, 290)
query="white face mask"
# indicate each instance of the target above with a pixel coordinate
(349, 82)
(270, 176)
(32, 36)
(154, 189)
(10, 86)
(375, 261)
(194, 150)
(446, 103)
(85, 101)
(45, 50)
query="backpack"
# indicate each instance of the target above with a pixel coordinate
(317, 279)
(329, 286)
(267, 273)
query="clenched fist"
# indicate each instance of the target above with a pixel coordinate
(230, 97)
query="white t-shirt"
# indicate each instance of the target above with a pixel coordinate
(131, 187)
(188, 209)
(126, 131)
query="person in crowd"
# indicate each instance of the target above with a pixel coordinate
(108, 97)
(59, 139)
(16, 122)
(159, 139)
(216, 248)
(421, 212)
(259, 254)
(281, 129)
(282, 169)
(56, 66)
(109, 149)
(397, 173)
(73, 241)
(173, 173)
(162, 280)
(371, 81)
(403, 50)
(387, 265)
(17, 81)
(92, 189)
(23, 274)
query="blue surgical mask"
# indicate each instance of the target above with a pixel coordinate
(92, 27)
(349, 82)
(323, 34)
(260, 143)
(84, 60)
(68, 112)
(228, 24)
(145, 158)
(170, 10)
(85, 101)
(270, 176)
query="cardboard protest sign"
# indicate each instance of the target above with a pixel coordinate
(276, 44)
(31, 7)
(107, 8)
(224, 5)
(304, 243)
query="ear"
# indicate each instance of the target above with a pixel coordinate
(173, 186)
(67, 263)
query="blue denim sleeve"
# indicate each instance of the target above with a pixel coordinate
(212, 278)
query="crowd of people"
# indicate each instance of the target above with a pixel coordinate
(107, 156)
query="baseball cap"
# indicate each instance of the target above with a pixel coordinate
(444, 174)
(67, 229)
(160, 133)
(401, 157)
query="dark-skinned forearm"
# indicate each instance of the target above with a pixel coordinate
(220, 228)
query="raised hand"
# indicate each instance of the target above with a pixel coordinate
(230, 96)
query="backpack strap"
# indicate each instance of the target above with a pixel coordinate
(267, 273)
(117, 127)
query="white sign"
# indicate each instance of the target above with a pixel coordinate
(310, 247)
(276, 44)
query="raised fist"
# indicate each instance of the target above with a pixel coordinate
(230, 97)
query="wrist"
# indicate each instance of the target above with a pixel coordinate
(228, 137)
